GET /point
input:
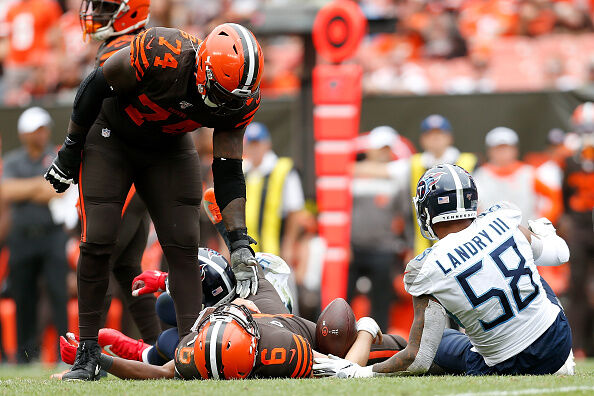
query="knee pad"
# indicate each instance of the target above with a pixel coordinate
(96, 249)
(165, 309)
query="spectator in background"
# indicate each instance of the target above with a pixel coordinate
(36, 243)
(377, 232)
(437, 143)
(274, 195)
(505, 178)
(578, 228)
(33, 34)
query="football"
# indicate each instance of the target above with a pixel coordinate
(336, 329)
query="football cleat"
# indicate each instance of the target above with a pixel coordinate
(115, 343)
(86, 365)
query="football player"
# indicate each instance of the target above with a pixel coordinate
(128, 125)
(115, 23)
(483, 273)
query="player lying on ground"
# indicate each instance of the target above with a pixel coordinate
(483, 273)
(281, 344)
(218, 286)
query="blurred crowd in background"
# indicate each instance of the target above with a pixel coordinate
(441, 46)
(435, 46)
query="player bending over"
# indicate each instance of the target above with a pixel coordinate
(483, 273)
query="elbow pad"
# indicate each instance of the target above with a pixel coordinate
(89, 98)
(435, 321)
(549, 250)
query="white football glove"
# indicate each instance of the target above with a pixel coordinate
(542, 227)
(333, 366)
(369, 325)
(244, 265)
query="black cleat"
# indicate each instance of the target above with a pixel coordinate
(86, 365)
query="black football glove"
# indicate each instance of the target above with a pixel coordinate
(64, 170)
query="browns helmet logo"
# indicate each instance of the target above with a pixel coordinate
(426, 183)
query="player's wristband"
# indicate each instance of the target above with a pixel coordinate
(369, 325)
(105, 361)
(239, 238)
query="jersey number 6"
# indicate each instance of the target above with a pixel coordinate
(514, 274)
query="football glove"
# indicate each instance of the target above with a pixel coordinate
(244, 266)
(541, 227)
(64, 169)
(149, 281)
(68, 347)
(333, 366)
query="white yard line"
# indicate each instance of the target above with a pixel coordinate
(529, 391)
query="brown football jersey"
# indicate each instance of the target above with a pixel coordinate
(166, 100)
(284, 349)
(111, 46)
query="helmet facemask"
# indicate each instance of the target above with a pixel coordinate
(219, 99)
(98, 17)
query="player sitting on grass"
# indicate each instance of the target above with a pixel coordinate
(483, 273)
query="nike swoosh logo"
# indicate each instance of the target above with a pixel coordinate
(97, 369)
(107, 348)
(148, 46)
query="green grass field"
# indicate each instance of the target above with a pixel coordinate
(34, 381)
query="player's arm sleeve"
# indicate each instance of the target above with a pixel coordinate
(89, 98)
(425, 336)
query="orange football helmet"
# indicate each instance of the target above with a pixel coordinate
(227, 343)
(583, 118)
(229, 65)
(102, 19)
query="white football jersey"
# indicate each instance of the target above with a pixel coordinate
(485, 277)
(277, 272)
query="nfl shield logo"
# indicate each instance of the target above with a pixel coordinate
(105, 132)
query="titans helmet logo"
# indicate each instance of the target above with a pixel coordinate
(202, 272)
(426, 183)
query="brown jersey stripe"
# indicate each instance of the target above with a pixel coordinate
(382, 354)
(306, 357)
(298, 365)
(244, 123)
(106, 56)
(134, 58)
(142, 53)
(251, 113)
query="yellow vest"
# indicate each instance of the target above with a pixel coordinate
(264, 197)
(465, 160)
